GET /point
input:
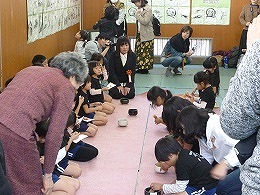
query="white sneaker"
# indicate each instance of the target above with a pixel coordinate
(168, 72)
(176, 71)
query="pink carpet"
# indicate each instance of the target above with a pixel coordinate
(125, 164)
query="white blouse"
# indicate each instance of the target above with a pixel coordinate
(80, 49)
(123, 58)
(218, 145)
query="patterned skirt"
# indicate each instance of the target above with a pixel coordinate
(144, 52)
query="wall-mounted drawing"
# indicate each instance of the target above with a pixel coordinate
(132, 11)
(171, 12)
(198, 13)
(201, 12)
(158, 13)
(130, 16)
(211, 13)
(45, 17)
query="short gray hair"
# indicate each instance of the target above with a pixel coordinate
(71, 64)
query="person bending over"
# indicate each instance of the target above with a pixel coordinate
(192, 169)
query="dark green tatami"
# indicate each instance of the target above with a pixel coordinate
(179, 84)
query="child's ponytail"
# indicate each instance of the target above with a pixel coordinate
(202, 76)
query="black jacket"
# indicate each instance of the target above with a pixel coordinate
(179, 44)
(107, 26)
(117, 72)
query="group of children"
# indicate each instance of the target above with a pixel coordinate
(207, 82)
(196, 146)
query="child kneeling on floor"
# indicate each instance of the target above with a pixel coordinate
(84, 108)
(96, 93)
(206, 97)
(65, 173)
(192, 170)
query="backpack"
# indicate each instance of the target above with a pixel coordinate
(156, 26)
(121, 29)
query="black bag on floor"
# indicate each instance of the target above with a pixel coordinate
(232, 62)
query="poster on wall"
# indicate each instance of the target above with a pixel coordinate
(167, 11)
(210, 12)
(203, 12)
(46, 17)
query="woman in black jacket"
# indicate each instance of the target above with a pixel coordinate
(177, 50)
(122, 64)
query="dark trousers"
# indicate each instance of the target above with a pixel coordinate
(242, 44)
(231, 185)
(5, 187)
(82, 152)
(115, 94)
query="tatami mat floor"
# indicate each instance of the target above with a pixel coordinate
(125, 164)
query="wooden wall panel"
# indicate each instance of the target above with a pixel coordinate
(224, 37)
(16, 53)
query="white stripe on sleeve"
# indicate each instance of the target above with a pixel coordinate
(95, 91)
(177, 187)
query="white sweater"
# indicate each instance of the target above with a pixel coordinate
(219, 145)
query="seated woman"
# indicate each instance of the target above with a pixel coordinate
(176, 50)
(122, 64)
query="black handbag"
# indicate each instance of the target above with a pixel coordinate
(245, 148)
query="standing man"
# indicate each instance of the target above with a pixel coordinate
(248, 13)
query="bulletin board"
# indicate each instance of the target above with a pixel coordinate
(199, 12)
(46, 17)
